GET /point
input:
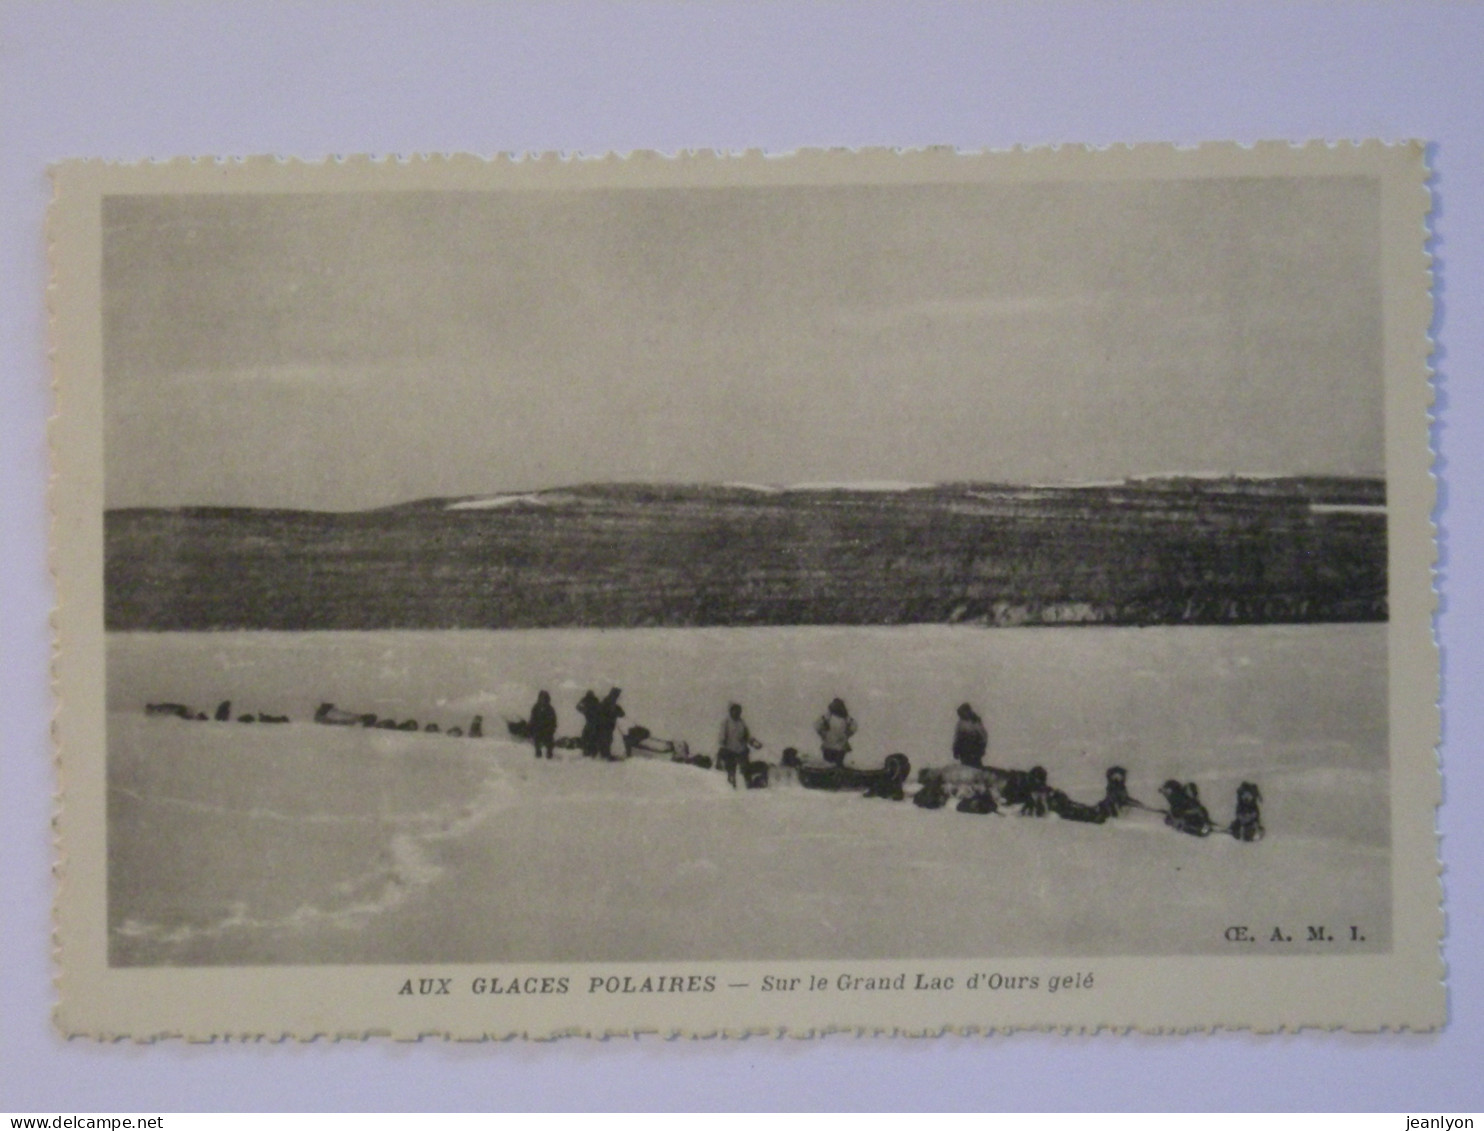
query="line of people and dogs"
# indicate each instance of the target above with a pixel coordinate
(968, 783)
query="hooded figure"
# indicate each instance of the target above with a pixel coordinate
(543, 725)
(609, 712)
(735, 743)
(835, 728)
(970, 738)
(590, 708)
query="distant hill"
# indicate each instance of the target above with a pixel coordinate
(1166, 550)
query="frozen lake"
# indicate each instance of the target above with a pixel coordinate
(231, 843)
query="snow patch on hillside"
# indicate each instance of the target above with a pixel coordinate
(491, 502)
(760, 488)
(1347, 508)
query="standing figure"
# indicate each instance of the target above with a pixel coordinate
(543, 725)
(835, 728)
(591, 710)
(609, 712)
(735, 743)
(970, 738)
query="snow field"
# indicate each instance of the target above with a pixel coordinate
(304, 843)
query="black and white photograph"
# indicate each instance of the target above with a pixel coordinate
(771, 572)
(700, 557)
(874, 559)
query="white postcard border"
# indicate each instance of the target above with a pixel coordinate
(1402, 989)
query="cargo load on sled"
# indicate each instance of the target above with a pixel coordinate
(641, 742)
(884, 782)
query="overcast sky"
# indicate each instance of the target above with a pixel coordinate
(351, 350)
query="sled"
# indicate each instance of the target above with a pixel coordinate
(848, 778)
(330, 715)
(173, 710)
(640, 742)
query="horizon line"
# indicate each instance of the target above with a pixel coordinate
(489, 500)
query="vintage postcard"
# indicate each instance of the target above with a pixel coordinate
(740, 594)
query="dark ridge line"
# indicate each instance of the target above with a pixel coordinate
(1266, 486)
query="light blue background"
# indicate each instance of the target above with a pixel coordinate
(129, 81)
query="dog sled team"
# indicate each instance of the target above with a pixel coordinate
(222, 714)
(987, 789)
(971, 784)
(327, 714)
(979, 788)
